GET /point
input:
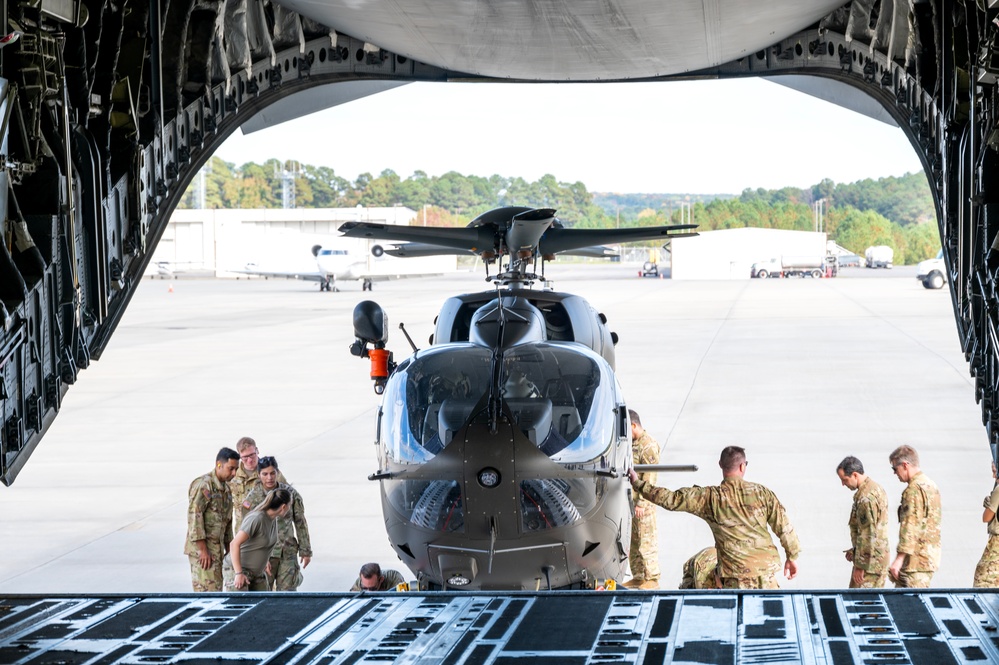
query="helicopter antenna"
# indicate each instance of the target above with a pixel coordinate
(402, 327)
(494, 397)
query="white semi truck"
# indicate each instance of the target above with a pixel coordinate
(879, 256)
(790, 266)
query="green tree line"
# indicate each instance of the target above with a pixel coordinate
(893, 211)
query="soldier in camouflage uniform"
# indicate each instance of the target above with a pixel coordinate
(738, 514)
(373, 578)
(919, 517)
(868, 526)
(209, 522)
(285, 573)
(644, 554)
(245, 480)
(701, 571)
(987, 570)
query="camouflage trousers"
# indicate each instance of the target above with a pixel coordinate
(644, 555)
(987, 570)
(206, 580)
(286, 575)
(256, 581)
(914, 579)
(871, 581)
(763, 582)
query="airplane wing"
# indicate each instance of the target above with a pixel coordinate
(415, 249)
(253, 269)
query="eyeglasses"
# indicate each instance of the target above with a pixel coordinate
(267, 461)
(248, 455)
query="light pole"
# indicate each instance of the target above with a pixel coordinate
(819, 209)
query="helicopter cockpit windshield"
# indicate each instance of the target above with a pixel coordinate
(562, 398)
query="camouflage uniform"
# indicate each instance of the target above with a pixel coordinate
(738, 513)
(869, 535)
(209, 516)
(919, 517)
(242, 484)
(393, 578)
(644, 556)
(987, 570)
(701, 570)
(286, 574)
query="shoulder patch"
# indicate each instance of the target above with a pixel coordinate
(206, 492)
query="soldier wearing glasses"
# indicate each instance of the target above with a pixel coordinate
(918, 523)
(373, 578)
(245, 480)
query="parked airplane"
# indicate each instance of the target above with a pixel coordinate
(353, 262)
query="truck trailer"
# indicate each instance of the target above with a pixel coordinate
(790, 266)
(879, 256)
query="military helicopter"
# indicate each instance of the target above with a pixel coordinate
(503, 447)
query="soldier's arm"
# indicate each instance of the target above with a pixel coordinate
(782, 528)
(686, 499)
(196, 513)
(991, 505)
(867, 533)
(909, 521)
(301, 527)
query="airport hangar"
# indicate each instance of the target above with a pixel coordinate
(111, 108)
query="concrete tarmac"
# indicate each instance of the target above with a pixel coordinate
(801, 372)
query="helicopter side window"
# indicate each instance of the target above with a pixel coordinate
(417, 396)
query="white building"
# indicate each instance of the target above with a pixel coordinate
(731, 253)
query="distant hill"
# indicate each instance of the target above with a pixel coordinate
(631, 206)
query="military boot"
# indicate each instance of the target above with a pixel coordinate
(635, 583)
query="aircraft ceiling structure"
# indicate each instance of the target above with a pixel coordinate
(108, 110)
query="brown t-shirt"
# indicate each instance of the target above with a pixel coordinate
(262, 532)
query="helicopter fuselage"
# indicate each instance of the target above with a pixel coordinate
(504, 447)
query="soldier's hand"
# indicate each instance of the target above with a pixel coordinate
(790, 569)
(849, 555)
(205, 559)
(858, 577)
(305, 561)
(632, 476)
(639, 511)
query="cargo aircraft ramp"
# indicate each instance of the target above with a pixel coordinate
(839, 628)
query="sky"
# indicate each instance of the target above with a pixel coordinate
(695, 137)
